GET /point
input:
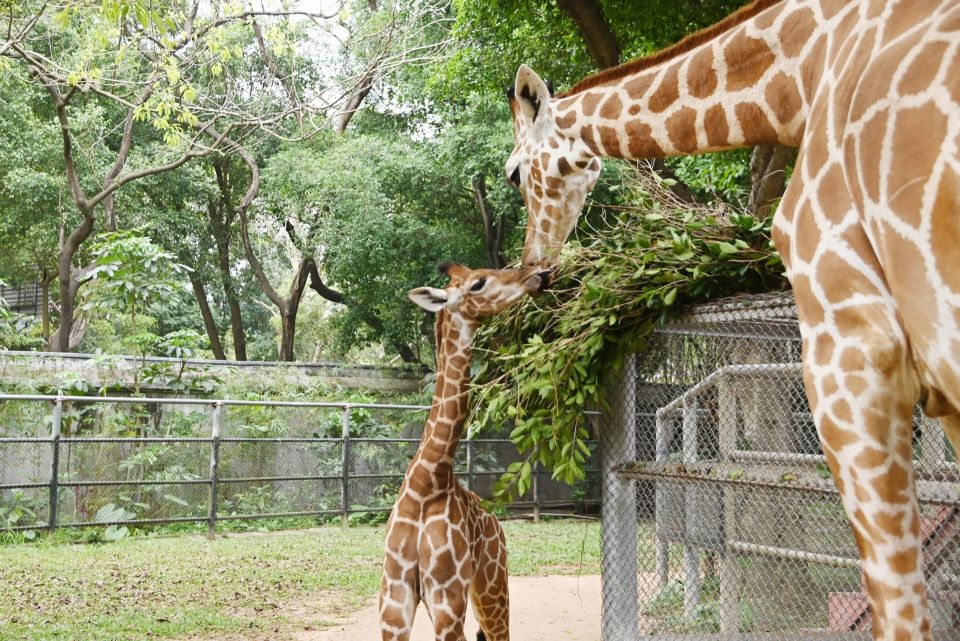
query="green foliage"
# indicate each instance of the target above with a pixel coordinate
(546, 361)
(492, 38)
(129, 273)
(724, 174)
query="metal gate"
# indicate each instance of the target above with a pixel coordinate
(720, 519)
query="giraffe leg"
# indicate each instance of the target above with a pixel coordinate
(489, 590)
(449, 610)
(862, 397)
(399, 593)
(398, 606)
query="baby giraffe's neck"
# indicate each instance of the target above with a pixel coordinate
(449, 408)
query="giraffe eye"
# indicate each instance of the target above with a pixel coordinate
(515, 177)
(477, 286)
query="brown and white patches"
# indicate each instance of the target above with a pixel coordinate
(946, 240)
(755, 125)
(610, 141)
(796, 30)
(433, 544)
(640, 141)
(701, 76)
(611, 107)
(590, 102)
(783, 96)
(567, 120)
(667, 90)
(915, 132)
(716, 127)
(953, 76)
(906, 15)
(682, 131)
(637, 88)
(923, 69)
(747, 60)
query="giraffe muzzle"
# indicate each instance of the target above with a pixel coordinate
(545, 276)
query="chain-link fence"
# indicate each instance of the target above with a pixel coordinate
(94, 461)
(720, 519)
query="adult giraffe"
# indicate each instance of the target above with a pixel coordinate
(442, 547)
(869, 228)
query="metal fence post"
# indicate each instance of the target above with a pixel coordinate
(55, 424)
(729, 570)
(618, 512)
(470, 465)
(345, 468)
(691, 555)
(536, 492)
(214, 469)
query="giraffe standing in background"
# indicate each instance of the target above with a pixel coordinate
(869, 227)
(441, 545)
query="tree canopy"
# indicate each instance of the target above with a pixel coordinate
(311, 160)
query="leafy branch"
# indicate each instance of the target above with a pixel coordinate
(545, 362)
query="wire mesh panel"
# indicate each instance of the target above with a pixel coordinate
(720, 519)
(116, 461)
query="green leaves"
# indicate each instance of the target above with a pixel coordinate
(547, 361)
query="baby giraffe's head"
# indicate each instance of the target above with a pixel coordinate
(477, 294)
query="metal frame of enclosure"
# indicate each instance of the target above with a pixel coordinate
(720, 519)
(356, 466)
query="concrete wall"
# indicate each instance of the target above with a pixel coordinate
(48, 368)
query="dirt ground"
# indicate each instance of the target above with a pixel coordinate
(542, 608)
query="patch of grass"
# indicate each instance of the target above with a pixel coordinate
(553, 547)
(179, 587)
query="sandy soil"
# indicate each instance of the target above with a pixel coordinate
(542, 608)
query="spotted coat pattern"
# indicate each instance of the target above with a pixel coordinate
(869, 228)
(442, 547)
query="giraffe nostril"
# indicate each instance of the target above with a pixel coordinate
(545, 277)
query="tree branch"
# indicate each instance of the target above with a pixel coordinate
(594, 29)
(272, 70)
(317, 285)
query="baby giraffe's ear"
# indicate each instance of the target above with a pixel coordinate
(429, 298)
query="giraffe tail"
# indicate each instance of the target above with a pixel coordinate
(481, 636)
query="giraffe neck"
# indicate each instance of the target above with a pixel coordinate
(444, 428)
(749, 84)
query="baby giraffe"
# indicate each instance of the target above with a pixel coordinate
(441, 545)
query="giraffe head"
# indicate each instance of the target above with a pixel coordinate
(477, 294)
(553, 169)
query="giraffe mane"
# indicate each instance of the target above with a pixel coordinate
(683, 46)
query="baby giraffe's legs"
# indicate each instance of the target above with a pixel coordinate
(399, 594)
(488, 592)
(398, 605)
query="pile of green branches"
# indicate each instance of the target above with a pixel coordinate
(543, 363)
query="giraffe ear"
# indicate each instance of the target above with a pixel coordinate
(429, 298)
(531, 92)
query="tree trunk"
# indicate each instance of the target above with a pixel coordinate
(768, 177)
(68, 283)
(45, 304)
(493, 230)
(288, 331)
(353, 104)
(594, 29)
(213, 333)
(221, 216)
(288, 312)
(233, 301)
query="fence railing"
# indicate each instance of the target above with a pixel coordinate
(391, 456)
